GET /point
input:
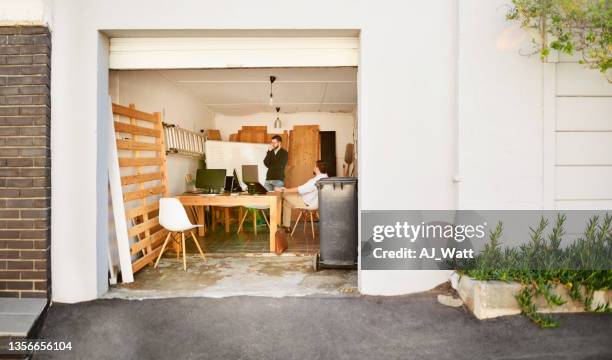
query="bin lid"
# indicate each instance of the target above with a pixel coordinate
(338, 180)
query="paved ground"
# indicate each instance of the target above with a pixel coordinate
(408, 327)
(231, 275)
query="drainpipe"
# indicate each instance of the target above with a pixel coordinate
(457, 175)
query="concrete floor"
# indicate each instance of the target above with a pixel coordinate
(233, 275)
(407, 327)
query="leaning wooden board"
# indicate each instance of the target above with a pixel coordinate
(304, 151)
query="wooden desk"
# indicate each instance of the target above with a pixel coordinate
(272, 199)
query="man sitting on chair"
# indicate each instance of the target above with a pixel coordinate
(305, 195)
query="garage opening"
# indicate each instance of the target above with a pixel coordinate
(223, 122)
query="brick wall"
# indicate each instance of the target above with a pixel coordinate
(24, 161)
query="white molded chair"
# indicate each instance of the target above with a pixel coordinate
(307, 210)
(254, 209)
(173, 217)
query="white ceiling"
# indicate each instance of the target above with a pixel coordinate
(247, 91)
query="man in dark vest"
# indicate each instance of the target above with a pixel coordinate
(275, 161)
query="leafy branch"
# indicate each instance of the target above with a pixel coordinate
(568, 26)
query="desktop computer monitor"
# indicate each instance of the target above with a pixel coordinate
(210, 180)
(232, 183)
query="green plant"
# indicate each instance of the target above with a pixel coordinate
(569, 26)
(542, 264)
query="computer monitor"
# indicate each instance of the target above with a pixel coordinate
(210, 180)
(250, 174)
(232, 183)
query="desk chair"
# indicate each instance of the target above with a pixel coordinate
(308, 210)
(254, 209)
(172, 217)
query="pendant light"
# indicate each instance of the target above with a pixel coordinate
(272, 80)
(277, 122)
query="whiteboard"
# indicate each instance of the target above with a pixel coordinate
(232, 155)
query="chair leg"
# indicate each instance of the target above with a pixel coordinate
(226, 213)
(312, 224)
(265, 217)
(255, 221)
(195, 240)
(163, 249)
(242, 221)
(184, 257)
(296, 223)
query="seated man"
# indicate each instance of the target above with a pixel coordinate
(305, 195)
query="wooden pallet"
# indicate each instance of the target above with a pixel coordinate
(142, 161)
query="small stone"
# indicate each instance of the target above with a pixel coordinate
(449, 301)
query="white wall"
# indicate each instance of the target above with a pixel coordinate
(25, 12)
(151, 92)
(422, 99)
(341, 123)
(499, 112)
(582, 143)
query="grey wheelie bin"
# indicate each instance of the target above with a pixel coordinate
(338, 223)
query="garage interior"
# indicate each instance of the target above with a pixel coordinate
(312, 109)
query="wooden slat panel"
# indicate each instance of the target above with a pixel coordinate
(136, 130)
(132, 213)
(137, 145)
(140, 228)
(152, 161)
(145, 260)
(141, 194)
(140, 178)
(133, 113)
(147, 230)
(151, 240)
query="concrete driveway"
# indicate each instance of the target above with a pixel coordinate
(407, 327)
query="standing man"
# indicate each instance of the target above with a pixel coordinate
(276, 160)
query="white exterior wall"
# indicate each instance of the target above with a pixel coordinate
(440, 97)
(341, 123)
(499, 112)
(583, 137)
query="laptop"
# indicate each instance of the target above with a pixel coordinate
(250, 176)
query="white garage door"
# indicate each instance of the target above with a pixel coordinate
(583, 168)
(232, 52)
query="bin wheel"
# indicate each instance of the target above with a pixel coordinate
(315, 262)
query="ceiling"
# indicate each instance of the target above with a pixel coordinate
(247, 91)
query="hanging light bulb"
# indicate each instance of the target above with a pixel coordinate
(277, 122)
(272, 79)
